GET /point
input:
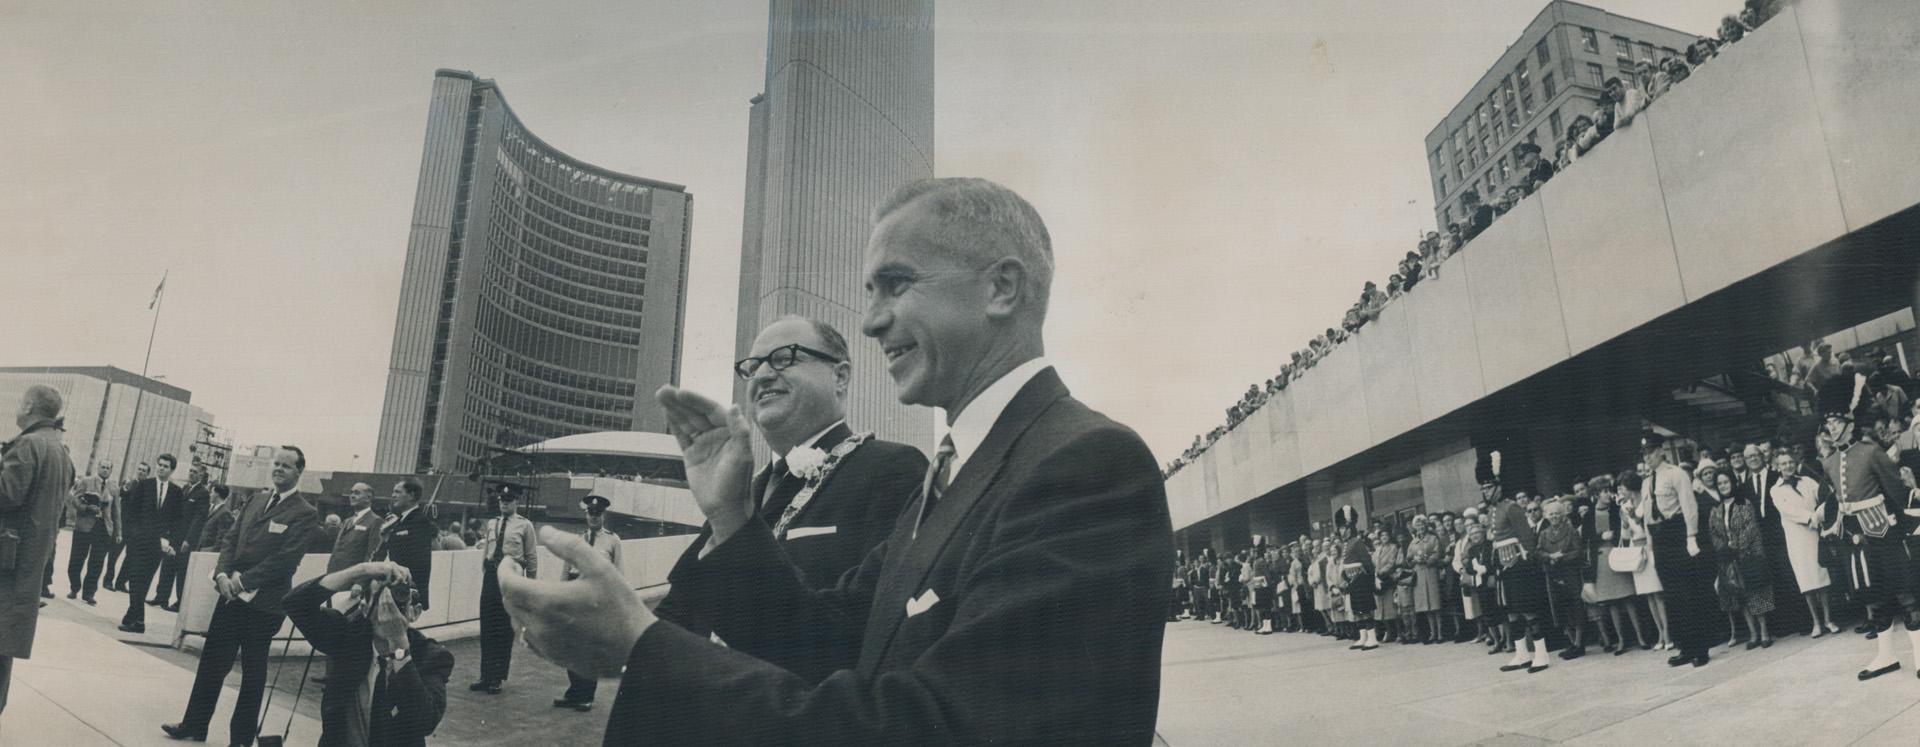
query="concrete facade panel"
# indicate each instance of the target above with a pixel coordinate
(1516, 307)
(1612, 248)
(1860, 58)
(1444, 353)
(1329, 408)
(1744, 198)
(1392, 390)
(1447, 481)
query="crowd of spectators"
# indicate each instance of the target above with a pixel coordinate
(1618, 104)
(1777, 556)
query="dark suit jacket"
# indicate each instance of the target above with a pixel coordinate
(409, 542)
(356, 542)
(193, 516)
(858, 502)
(1029, 610)
(266, 557)
(405, 709)
(142, 523)
(214, 534)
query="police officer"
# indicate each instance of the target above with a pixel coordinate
(508, 535)
(580, 687)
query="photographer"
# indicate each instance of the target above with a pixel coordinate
(408, 692)
(92, 506)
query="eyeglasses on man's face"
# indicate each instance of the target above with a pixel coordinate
(778, 359)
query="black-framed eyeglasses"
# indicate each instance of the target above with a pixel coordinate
(779, 359)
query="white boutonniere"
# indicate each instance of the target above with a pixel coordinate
(806, 462)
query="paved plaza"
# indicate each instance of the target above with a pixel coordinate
(1227, 687)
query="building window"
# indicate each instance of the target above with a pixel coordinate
(1589, 41)
(1626, 70)
(1533, 136)
(1443, 184)
(1526, 100)
(1505, 173)
(1540, 51)
(1622, 48)
(1546, 85)
(1447, 215)
(1671, 53)
(1646, 51)
(1513, 119)
(1596, 74)
(1460, 170)
(1520, 73)
(1553, 123)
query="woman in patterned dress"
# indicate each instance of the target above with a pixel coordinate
(1744, 584)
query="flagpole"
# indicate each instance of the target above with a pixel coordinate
(159, 300)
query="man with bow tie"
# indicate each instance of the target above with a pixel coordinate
(796, 376)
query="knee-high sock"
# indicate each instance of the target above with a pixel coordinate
(1521, 655)
(1540, 658)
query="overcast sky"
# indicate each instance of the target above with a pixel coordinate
(1219, 177)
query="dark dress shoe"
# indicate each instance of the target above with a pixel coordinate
(1536, 670)
(490, 688)
(1678, 659)
(131, 628)
(1621, 651)
(1768, 643)
(175, 607)
(73, 594)
(89, 600)
(1700, 661)
(179, 731)
(1751, 645)
(156, 603)
(1514, 667)
(579, 705)
(318, 679)
(1574, 653)
(46, 593)
(1867, 674)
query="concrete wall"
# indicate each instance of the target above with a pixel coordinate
(1770, 150)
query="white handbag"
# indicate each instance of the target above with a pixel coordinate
(1628, 559)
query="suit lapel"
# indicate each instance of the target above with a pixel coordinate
(908, 573)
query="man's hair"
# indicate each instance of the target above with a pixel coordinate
(1611, 82)
(299, 457)
(413, 487)
(168, 458)
(43, 400)
(222, 491)
(831, 341)
(984, 219)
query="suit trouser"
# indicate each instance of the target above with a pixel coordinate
(143, 558)
(46, 576)
(237, 627)
(1693, 611)
(115, 568)
(496, 628)
(6, 679)
(172, 574)
(88, 550)
(581, 689)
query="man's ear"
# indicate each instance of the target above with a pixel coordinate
(1008, 288)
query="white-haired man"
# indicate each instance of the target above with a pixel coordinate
(1040, 520)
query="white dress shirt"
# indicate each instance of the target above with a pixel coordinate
(971, 426)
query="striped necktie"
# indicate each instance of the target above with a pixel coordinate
(937, 479)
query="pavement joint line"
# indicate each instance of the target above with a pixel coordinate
(1876, 727)
(76, 717)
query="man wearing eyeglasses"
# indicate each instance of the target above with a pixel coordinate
(796, 375)
(1018, 599)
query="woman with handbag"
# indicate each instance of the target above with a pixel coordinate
(1388, 560)
(1615, 562)
(1646, 580)
(1744, 586)
(1425, 553)
(1797, 499)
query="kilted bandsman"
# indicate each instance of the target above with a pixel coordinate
(1357, 570)
(1522, 584)
(1873, 513)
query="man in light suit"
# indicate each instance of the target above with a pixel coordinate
(1039, 521)
(150, 523)
(257, 561)
(797, 374)
(355, 544)
(94, 508)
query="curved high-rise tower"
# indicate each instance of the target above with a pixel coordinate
(846, 117)
(543, 296)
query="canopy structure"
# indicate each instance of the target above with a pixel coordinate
(636, 455)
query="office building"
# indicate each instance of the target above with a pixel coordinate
(543, 296)
(119, 417)
(1551, 74)
(845, 118)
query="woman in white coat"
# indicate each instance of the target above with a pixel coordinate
(1797, 498)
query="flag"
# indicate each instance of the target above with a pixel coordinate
(156, 291)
